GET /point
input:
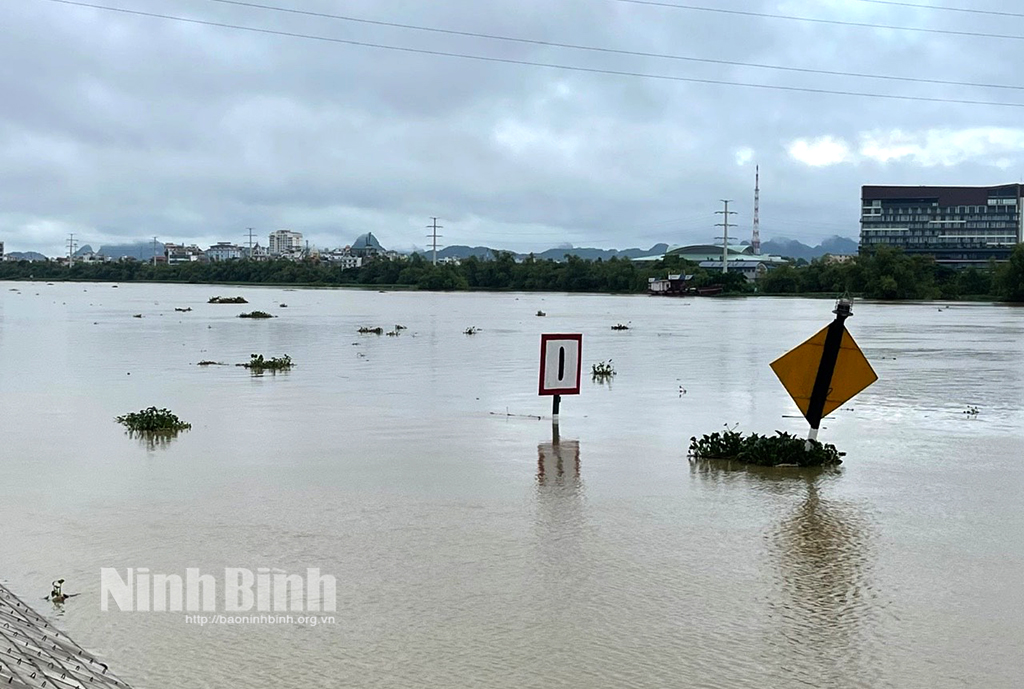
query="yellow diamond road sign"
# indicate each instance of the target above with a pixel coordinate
(798, 369)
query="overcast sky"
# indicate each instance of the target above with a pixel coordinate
(119, 127)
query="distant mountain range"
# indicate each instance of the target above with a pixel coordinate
(790, 248)
(557, 254)
(26, 256)
(780, 246)
(143, 251)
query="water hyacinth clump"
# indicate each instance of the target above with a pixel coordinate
(227, 300)
(781, 449)
(255, 314)
(603, 370)
(258, 363)
(152, 420)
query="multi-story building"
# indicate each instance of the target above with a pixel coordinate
(224, 251)
(179, 253)
(284, 242)
(959, 226)
(341, 257)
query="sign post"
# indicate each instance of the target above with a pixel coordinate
(825, 371)
(561, 365)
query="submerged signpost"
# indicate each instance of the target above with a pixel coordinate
(825, 371)
(560, 367)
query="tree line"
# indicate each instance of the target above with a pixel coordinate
(886, 274)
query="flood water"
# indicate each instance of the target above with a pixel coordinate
(471, 549)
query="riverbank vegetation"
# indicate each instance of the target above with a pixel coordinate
(887, 274)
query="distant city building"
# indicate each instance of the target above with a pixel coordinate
(224, 251)
(284, 242)
(258, 253)
(179, 253)
(342, 257)
(366, 245)
(959, 226)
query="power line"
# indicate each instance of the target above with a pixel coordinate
(510, 61)
(435, 227)
(601, 49)
(993, 13)
(725, 225)
(814, 20)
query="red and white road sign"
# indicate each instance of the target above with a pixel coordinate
(561, 363)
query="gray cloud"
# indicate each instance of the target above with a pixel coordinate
(120, 127)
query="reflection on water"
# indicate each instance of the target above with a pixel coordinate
(823, 605)
(561, 533)
(777, 480)
(558, 462)
(154, 440)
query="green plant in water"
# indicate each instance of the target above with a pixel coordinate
(602, 370)
(255, 314)
(227, 300)
(371, 331)
(472, 330)
(258, 363)
(152, 420)
(781, 449)
(620, 326)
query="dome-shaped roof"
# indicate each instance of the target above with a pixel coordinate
(367, 241)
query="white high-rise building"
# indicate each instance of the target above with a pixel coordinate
(284, 242)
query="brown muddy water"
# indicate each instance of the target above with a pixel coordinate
(469, 550)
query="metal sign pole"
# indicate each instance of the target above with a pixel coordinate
(829, 356)
(556, 401)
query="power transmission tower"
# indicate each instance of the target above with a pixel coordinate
(72, 248)
(755, 240)
(725, 225)
(435, 227)
(154, 250)
(250, 235)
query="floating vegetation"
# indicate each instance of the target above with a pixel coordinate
(227, 300)
(257, 363)
(541, 313)
(392, 333)
(781, 449)
(256, 314)
(185, 310)
(620, 326)
(400, 327)
(371, 331)
(472, 330)
(138, 315)
(152, 420)
(971, 411)
(283, 306)
(211, 363)
(602, 371)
